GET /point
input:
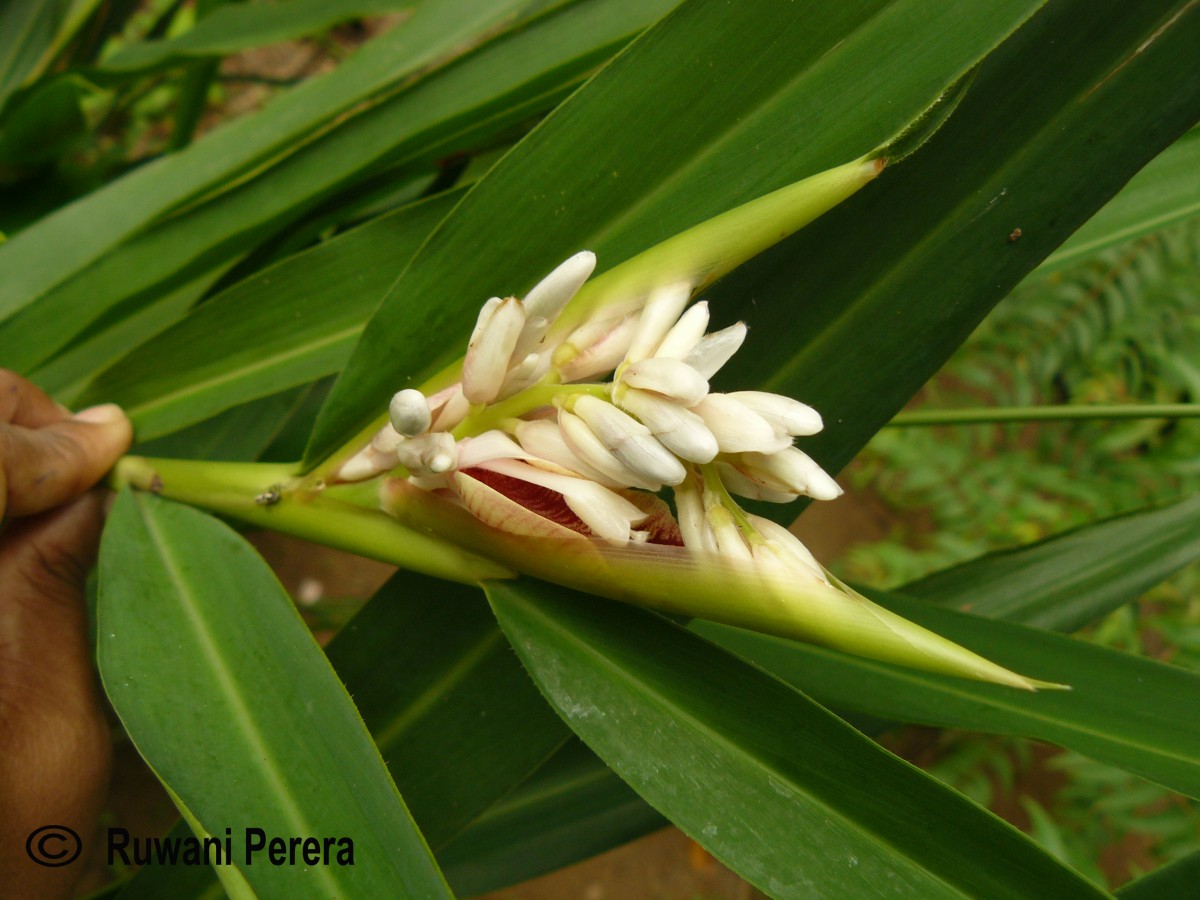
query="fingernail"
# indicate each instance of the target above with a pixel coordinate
(105, 414)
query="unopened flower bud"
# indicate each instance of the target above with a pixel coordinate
(738, 428)
(679, 430)
(686, 333)
(714, 350)
(629, 440)
(783, 413)
(660, 313)
(789, 470)
(491, 347)
(584, 444)
(409, 412)
(669, 377)
(547, 299)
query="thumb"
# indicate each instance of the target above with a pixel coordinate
(44, 467)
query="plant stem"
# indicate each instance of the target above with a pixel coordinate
(272, 496)
(514, 407)
(988, 415)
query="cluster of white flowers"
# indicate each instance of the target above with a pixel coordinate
(531, 443)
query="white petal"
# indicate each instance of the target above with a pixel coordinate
(490, 445)
(660, 313)
(410, 413)
(549, 296)
(544, 440)
(686, 333)
(607, 514)
(386, 439)
(680, 431)
(529, 371)
(366, 463)
(595, 348)
(449, 408)
(715, 349)
(584, 444)
(785, 414)
(790, 469)
(738, 428)
(669, 377)
(491, 347)
(629, 440)
(433, 453)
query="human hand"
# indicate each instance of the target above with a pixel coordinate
(54, 740)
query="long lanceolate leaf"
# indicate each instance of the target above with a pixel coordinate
(1122, 709)
(794, 800)
(1069, 580)
(64, 243)
(679, 128)
(857, 311)
(219, 683)
(514, 75)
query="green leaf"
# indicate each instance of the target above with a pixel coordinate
(43, 123)
(1176, 879)
(517, 74)
(452, 711)
(64, 243)
(1122, 709)
(191, 619)
(1162, 194)
(291, 323)
(599, 173)
(721, 748)
(857, 311)
(231, 29)
(572, 808)
(1071, 579)
(28, 32)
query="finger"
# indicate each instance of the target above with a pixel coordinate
(54, 741)
(42, 468)
(24, 403)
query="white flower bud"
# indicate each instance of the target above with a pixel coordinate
(491, 347)
(529, 371)
(679, 430)
(366, 463)
(544, 440)
(669, 377)
(410, 413)
(629, 440)
(788, 550)
(386, 439)
(595, 348)
(584, 444)
(785, 414)
(686, 333)
(738, 428)
(730, 541)
(660, 313)
(714, 350)
(745, 486)
(693, 524)
(789, 470)
(483, 448)
(549, 296)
